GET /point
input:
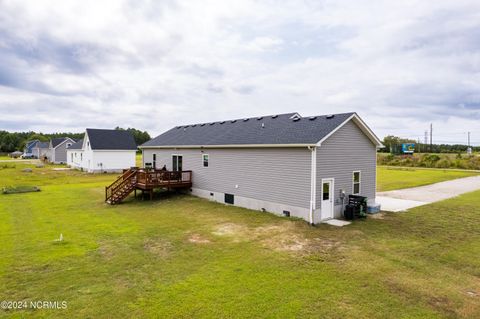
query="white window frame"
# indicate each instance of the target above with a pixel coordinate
(359, 182)
(177, 160)
(203, 160)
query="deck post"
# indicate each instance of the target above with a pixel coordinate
(135, 193)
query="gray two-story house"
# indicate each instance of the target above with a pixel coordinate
(284, 164)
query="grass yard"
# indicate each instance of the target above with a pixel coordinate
(390, 178)
(187, 257)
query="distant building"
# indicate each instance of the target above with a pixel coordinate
(57, 152)
(103, 151)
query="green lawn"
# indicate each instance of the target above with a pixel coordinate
(187, 257)
(390, 178)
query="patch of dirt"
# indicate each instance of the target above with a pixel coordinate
(158, 247)
(283, 237)
(229, 229)
(198, 239)
(107, 250)
(471, 293)
(377, 216)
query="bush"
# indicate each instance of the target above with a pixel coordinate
(431, 161)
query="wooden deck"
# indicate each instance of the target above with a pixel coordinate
(151, 179)
(146, 180)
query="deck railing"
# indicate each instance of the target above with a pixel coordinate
(152, 178)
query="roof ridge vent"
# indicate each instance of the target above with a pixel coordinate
(330, 116)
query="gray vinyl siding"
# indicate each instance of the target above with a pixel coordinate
(347, 150)
(61, 152)
(279, 175)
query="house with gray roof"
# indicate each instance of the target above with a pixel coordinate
(285, 164)
(41, 149)
(28, 149)
(103, 150)
(57, 152)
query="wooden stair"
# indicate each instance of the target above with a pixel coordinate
(122, 187)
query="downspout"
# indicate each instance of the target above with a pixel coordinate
(313, 182)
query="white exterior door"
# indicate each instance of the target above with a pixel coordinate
(327, 198)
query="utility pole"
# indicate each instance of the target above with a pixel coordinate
(425, 143)
(431, 137)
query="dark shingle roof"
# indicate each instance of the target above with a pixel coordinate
(77, 145)
(280, 129)
(57, 141)
(111, 139)
(42, 145)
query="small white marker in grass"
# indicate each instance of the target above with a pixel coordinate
(59, 239)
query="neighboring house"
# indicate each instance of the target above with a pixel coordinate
(40, 149)
(75, 155)
(57, 152)
(103, 151)
(285, 164)
(28, 150)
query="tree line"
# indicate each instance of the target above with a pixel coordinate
(391, 142)
(15, 141)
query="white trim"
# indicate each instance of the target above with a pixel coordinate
(208, 160)
(331, 196)
(313, 183)
(226, 146)
(359, 182)
(363, 127)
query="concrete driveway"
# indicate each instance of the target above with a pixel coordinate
(403, 199)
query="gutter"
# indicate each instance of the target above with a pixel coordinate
(227, 146)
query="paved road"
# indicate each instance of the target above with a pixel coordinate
(403, 199)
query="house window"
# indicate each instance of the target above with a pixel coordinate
(69, 144)
(205, 160)
(356, 182)
(177, 162)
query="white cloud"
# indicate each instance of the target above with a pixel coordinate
(152, 64)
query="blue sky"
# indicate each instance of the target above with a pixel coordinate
(67, 65)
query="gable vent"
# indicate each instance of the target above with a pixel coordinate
(274, 116)
(312, 118)
(331, 116)
(259, 118)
